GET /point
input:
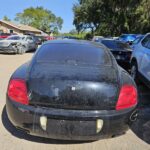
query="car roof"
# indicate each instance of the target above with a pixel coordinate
(73, 41)
(18, 36)
(113, 40)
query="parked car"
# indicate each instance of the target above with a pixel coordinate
(97, 38)
(49, 38)
(140, 61)
(4, 35)
(121, 51)
(72, 90)
(59, 37)
(127, 38)
(136, 41)
(39, 39)
(70, 37)
(18, 44)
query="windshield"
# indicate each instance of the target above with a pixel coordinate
(115, 45)
(14, 38)
(137, 40)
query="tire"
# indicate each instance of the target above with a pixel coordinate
(21, 49)
(134, 72)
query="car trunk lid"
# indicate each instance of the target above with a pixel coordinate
(73, 87)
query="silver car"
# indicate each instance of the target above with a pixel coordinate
(140, 60)
(18, 44)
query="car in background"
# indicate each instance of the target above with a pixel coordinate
(121, 51)
(70, 37)
(115, 38)
(49, 38)
(39, 39)
(97, 38)
(18, 44)
(59, 37)
(140, 61)
(4, 35)
(136, 41)
(72, 90)
(127, 38)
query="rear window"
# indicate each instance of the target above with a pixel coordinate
(72, 53)
(115, 45)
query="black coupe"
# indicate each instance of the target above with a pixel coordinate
(72, 90)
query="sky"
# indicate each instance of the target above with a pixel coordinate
(61, 8)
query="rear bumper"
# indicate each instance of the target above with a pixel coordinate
(68, 124)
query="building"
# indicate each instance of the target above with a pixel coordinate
(9, 27)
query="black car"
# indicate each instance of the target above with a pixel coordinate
(121, 51)
(39, 39)
(72, 90)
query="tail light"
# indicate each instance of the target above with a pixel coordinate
(127, 97)
(17, 91)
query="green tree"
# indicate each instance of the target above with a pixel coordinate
(143, 11)
(107, 17)
(73, 31)
(40, 18)
(5, 18)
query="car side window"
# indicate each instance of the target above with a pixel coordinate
(137, 40)
(29, 38)
(145, 41)
(14, 38)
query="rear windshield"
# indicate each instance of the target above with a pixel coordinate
(115, 45)
(72, 53)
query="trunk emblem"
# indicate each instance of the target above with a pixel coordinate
(73, 88)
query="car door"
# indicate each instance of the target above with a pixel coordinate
(145, 63)
(136, 42)
(31, 43)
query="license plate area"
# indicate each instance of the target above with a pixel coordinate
(71, 127)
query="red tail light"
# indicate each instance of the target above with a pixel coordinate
(17, 91)
(127, 97)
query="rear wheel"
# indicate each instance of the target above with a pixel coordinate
(134, 72)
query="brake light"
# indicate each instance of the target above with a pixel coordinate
(17, 91)
(127, 97)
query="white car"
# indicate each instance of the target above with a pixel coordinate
(18, 44)
(140, 60)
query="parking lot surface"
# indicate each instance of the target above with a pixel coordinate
(10, 138)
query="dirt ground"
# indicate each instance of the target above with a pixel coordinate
(11, 139)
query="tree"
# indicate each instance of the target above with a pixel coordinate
(143, 12)
(40, 18)
(5, 18)
(108, 17)
(73, 31)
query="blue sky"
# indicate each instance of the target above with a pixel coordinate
(62, 8)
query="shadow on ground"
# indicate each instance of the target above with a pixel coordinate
(5, 53)
(142, 126)
(22, 135)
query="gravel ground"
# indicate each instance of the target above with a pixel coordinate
(12, 139)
